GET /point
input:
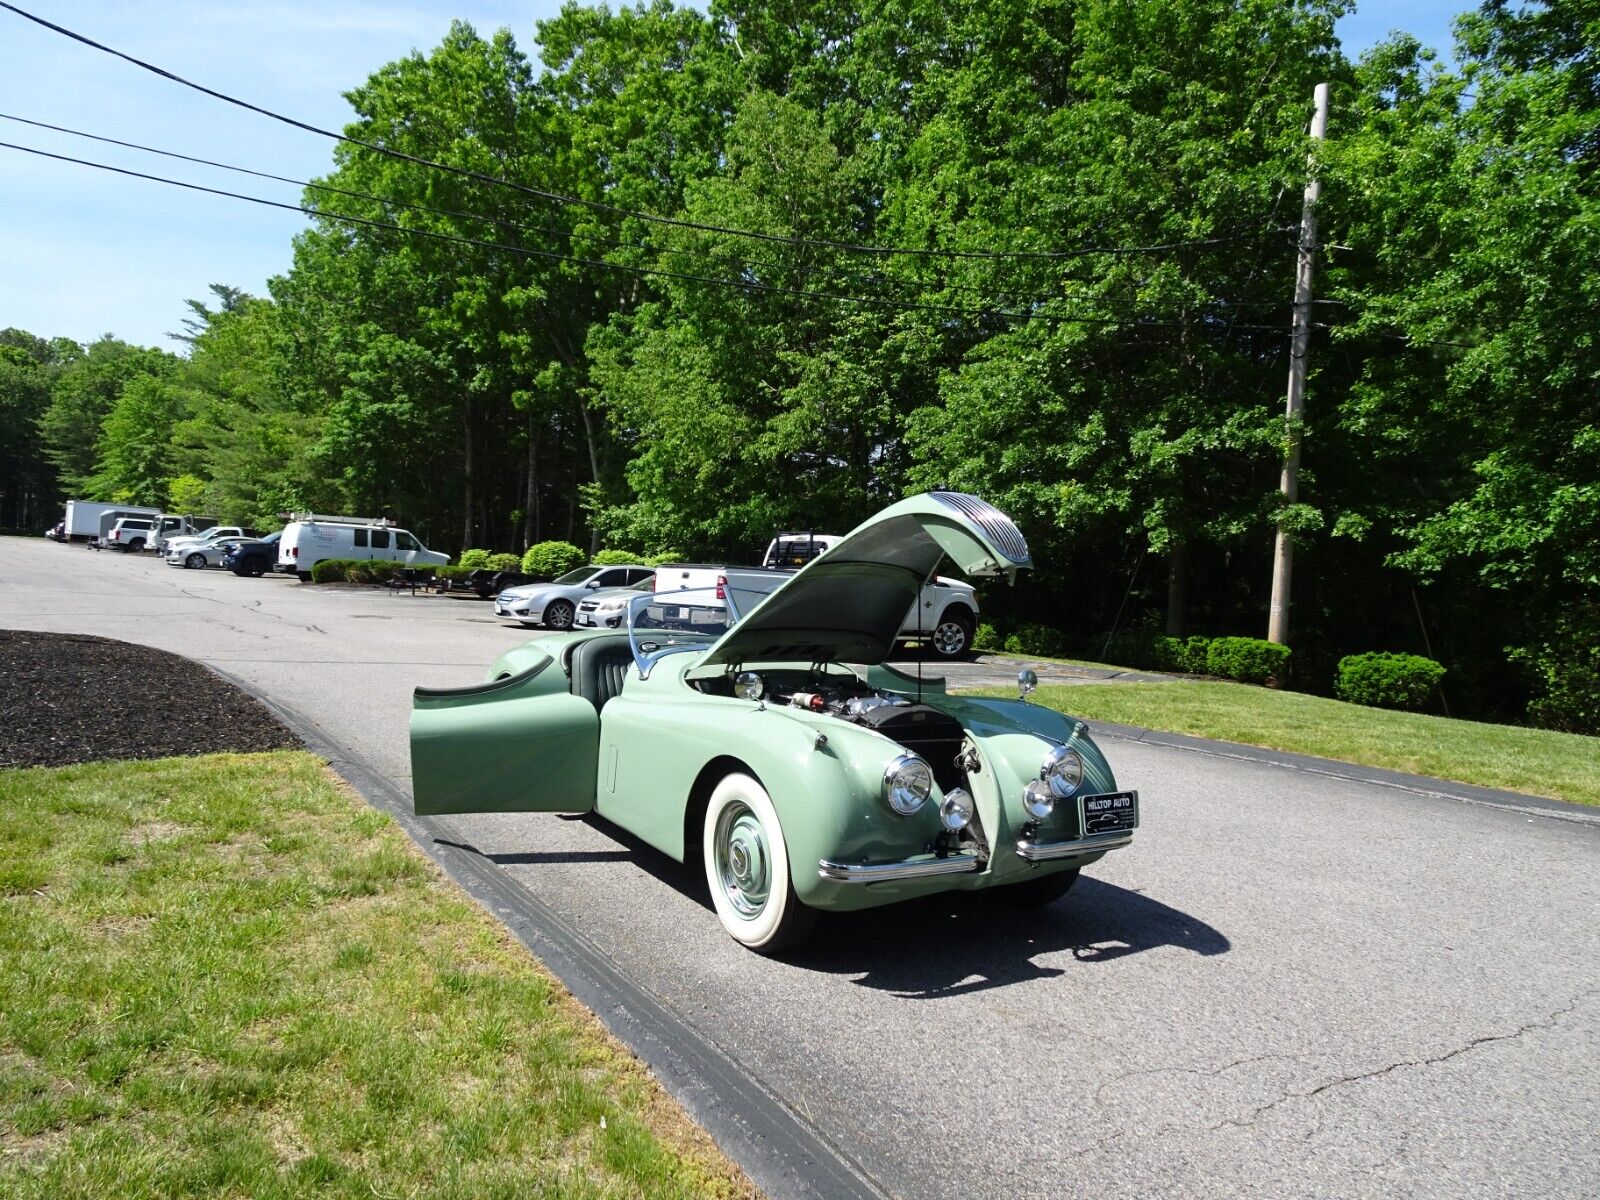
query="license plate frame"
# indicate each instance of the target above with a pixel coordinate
(1108, 813)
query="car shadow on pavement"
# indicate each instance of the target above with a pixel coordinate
(959, 943)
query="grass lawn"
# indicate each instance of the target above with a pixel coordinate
(1537, 761)
(227, 976)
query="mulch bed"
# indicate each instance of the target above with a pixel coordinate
(68, 698)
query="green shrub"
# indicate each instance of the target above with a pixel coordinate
(460, 571)
(1145, 650)
(1249, 660)
(1567, 667)
(1387, 680)
(474, 560)
(616, 558)
(333, 570)
(1037, 639)
(987, 637)
(549, 559)
(504, 562)
(666, 556)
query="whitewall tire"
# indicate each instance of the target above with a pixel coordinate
(748, 869)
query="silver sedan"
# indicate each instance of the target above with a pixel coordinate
(555, 604)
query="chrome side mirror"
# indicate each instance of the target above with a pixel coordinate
(1027, 680)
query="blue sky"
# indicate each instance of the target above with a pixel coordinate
(84, 253)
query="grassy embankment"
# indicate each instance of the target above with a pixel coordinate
(1540, 762)
(226, 976)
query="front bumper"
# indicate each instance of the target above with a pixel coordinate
(890, 872)
(1036, 852)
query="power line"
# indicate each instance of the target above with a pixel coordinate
(601, 206)
(740, 261)
(524, 251)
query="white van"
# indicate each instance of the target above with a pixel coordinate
(309, 538)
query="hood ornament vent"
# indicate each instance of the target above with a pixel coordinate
(999, 528)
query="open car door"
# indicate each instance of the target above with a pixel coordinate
(519, 744)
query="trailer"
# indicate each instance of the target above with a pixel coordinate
(91, 520)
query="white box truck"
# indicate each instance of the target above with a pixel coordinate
(309, 538)
(91, 520)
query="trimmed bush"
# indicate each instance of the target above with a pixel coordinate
(666, 556)
(1034, 638)
(1387, 680)
(616, 558)
(550, 559)
(461, 571)
(474, 559)
(987, 637)
(333, 570)
(1148, 651)
(1249, 660)
(503, 562)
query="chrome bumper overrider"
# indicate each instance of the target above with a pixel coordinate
(914, 868)
(1045, 851)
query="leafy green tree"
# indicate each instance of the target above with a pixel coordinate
(134, 456)
(82, 395)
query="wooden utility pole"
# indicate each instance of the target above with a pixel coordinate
(1299, 346)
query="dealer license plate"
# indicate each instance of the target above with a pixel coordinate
(1109, 812)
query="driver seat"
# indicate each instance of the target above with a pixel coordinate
(597, 668)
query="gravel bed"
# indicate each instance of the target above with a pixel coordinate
(68, 698)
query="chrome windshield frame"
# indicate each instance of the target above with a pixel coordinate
(643, 659)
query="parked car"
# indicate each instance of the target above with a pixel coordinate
(171, 526)
(216, 533)
(780, 750)
(311, 537)
(944, 618)
(198, 555)
(253, 558)
(129, 534)
(606, 608)
(555, 604)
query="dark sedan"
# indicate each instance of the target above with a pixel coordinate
(253, 558)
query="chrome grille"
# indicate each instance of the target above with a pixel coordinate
(997, 527)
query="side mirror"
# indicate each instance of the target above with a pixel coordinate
(1027, 680)
(592, 584)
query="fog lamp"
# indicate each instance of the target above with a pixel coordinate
(748, 686)
(1038, 800)
(955, 813)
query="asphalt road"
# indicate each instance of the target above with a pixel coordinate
(1292, 985)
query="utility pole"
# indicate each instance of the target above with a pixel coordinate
(1299, 347)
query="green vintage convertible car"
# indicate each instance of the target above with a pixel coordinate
(780, 747)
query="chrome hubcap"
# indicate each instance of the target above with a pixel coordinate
(743, 867)
(950, 638)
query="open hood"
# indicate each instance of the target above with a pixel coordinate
(847, 604)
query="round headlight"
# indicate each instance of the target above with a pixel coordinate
(907, 780)
(1038, 800)
(748, 686)
(1063, 771)
(955, 813)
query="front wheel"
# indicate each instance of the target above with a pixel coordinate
(195, 561)
(747, 868)
(559, 615)
(952, 636)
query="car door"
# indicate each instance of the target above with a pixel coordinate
(408, 545)
(522, 743)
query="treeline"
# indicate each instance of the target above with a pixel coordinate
(1041, 250)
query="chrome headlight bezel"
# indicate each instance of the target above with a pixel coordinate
(1062, 770)
(907, 784)
(747, 685)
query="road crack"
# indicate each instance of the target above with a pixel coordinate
(1546, 1022)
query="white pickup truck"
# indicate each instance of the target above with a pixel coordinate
(945, 616)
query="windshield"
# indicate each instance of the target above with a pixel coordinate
(577, 576)
(672, 622)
